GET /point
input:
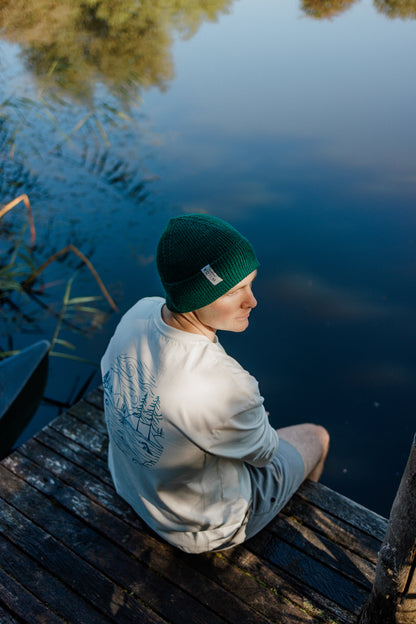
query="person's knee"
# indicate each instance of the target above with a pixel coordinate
(312, 441)
(315, 458)
(322, 435)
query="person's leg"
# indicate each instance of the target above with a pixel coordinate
(300, 455)
(312, 442)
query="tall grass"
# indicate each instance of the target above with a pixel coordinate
(20, 283)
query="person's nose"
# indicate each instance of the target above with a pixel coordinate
(250, 301)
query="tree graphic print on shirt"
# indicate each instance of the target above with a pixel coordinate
(132, 411)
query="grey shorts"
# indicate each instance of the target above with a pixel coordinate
(273, 486)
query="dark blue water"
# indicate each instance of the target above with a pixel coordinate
(301, 133)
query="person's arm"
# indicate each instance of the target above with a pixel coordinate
(247, 436)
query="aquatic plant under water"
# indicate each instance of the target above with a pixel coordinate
(21, 285)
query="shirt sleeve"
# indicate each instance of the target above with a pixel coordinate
(240, 425)
(247, 436)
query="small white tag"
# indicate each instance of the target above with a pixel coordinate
(210, 274)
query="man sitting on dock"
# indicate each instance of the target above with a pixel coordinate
(191, 448)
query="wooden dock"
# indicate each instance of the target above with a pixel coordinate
(71, 551)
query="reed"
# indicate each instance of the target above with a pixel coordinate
(19, 280)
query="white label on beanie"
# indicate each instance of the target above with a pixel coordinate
(210, 274)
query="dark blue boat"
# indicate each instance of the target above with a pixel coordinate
(22, 383)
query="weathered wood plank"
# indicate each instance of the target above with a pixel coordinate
(23, 604)
(187, 573)
(329, 525)
(91, 464)
(347, 535)
(339, 531)
(42, 467)
(310, 572)
(265, 599)
(288, 587)
(89, 438)
(312, 564)
(324, 550)
(96, 397)
(106, 497)
(101, 553)
(270, 607)
(50, 591)
(89, 414)
(108, 597)
(342, 507)
(7, 618)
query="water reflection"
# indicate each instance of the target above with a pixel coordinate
(327, 9)
(320, 299)
(299, 132)
(403, 9)
(384, 374)
(75, 44)
(321, 9)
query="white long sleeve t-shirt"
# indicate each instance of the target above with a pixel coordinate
(183, 419)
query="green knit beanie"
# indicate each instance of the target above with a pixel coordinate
(199, 259)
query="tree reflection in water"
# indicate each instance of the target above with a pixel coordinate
(124, 44)
(321, 9)
(404, 9)
(326, 9)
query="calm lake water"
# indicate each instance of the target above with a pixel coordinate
(295, 123)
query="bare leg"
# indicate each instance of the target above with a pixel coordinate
(312, 442)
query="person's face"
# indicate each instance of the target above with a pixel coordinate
(231, 311)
